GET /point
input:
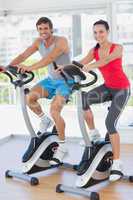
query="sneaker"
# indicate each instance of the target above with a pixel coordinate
(59, 154)
(44, 125)
(94, 136)
(116, 171)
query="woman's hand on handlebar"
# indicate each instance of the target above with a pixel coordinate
(86, 68)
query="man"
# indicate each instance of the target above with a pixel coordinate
(52, 48)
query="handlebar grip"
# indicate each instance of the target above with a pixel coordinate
(77, 64)
(61, 73)
(92, 73)
(55, 65)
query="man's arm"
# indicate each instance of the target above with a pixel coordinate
(60, 48)
(117, 53)
(28, 52)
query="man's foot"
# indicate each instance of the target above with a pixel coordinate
(94, 136)
(45, 123)
(59, 154)
(116, 171)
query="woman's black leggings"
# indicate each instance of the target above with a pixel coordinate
(101, 94)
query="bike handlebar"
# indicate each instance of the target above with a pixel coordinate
(74, 69)
(90, 72)
(23, 78)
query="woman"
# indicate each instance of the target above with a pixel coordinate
(116, 88)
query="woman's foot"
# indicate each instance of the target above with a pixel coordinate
(94, 136)
(116, 172)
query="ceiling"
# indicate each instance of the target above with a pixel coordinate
(28, 6)
(8, 7)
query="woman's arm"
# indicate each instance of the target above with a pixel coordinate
(117, 53)
(88, 58)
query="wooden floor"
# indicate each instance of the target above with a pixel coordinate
(19, 190)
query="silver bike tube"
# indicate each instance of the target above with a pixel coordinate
(25, 112)
(81, 116)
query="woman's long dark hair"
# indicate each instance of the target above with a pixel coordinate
(105, 24)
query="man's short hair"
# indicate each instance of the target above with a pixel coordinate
(45, 20)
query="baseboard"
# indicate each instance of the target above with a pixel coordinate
(126, 137)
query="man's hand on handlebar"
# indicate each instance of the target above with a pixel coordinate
(23, 68)
(59, 69)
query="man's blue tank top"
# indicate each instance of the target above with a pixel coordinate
(63, 59)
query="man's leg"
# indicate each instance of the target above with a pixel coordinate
(32, 98)
(55, 110)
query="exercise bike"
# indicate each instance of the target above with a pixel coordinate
(41, 148)
(96, 161)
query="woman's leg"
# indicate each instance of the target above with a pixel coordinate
(115, 141)
(89, 118)
(119, 101)
(95, 96)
